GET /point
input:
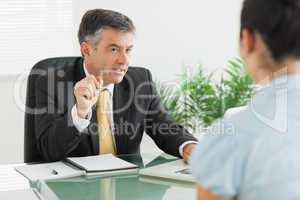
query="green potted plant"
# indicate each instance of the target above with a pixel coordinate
(200, 99)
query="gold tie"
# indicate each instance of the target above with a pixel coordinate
(106, 143)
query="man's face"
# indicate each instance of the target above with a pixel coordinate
(111, 57)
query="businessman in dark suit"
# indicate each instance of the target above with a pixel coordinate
(97, 104)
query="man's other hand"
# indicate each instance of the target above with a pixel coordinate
(188, 150)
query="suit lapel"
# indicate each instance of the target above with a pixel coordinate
(122, 99)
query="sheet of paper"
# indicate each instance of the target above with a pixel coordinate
(12, 180)
(48, 171)
(19, 194)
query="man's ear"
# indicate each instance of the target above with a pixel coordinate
(247, 40)
(85, 49)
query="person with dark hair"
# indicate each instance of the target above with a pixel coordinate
(253, 152)
(114, 103)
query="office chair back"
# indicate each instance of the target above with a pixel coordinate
(31, 153)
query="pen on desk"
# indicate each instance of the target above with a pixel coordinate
(54, 172)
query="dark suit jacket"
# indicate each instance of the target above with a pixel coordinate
(137, 108)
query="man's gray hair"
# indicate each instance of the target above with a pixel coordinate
(95, 21)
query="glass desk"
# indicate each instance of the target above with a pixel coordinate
(133, 187)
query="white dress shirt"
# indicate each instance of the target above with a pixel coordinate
(81, 123)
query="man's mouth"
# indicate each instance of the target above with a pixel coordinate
(118, 70)
(121, 70)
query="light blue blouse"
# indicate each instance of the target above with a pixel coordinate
(254, 151)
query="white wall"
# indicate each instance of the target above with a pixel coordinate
(173, 33)
(170, 34)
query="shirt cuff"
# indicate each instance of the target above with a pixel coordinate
(79, 122)
(184, 144)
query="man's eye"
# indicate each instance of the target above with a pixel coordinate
(114, 49)
(128, 50)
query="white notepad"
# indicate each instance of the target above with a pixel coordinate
(100, 166)
(176, 170)
(101, 163)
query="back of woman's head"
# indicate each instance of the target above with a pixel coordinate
(278, 23)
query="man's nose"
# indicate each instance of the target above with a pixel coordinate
(123, 58)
